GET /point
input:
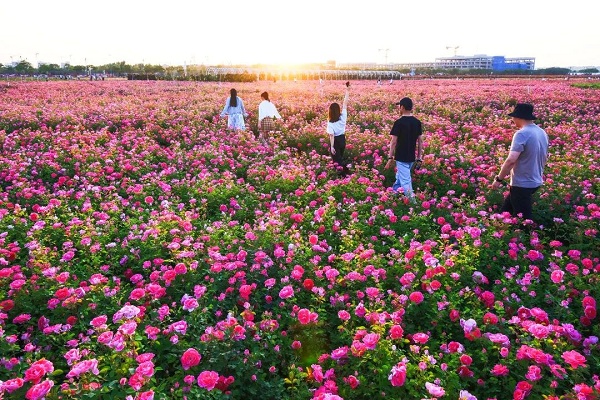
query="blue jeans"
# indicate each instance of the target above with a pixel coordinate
(403, 179)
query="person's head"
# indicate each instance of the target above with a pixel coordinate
(406, 104)
(522, 114)
(265, 96)
(334, 112)
(233, 100)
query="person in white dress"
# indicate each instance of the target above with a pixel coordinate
(267, 112)
(235, 111)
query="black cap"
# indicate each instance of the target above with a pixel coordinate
(406, 102)
(523, 111)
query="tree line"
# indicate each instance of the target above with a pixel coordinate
(195, 72)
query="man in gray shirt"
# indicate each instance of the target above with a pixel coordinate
(525, 162)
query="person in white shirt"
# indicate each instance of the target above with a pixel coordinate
(266, 114)
(235, 111)
(336, 128)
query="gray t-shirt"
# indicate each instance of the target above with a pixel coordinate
(532, 142)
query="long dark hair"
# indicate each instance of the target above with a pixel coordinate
(334, 112)
(233, 99)
(265, 96)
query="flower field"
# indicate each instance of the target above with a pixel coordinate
(147, 253)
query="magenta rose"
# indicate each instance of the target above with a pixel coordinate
(39, 391)
(190, 358)
(208, 380)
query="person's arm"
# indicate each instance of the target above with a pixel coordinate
(392, 152)
(244, 113)
(276, 112)
(261, 111)
(345, 103)
(507, 166)
(420, 148)
(331, 141)
(224, 112)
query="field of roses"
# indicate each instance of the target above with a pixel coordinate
(148, 253)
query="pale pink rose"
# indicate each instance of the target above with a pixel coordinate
(435, 390)
(468, 325)
(128, 328)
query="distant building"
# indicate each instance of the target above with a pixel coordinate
(479, 61)
(482, 61)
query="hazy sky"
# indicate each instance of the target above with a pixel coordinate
(268, 31)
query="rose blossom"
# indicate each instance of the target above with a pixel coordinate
(208, 380)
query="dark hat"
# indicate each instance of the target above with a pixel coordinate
(406, 102)
(523, 111)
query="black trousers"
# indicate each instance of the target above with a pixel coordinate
(519, 201)
(339, 145)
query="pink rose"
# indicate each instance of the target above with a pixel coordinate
(145, 369)
(190, 358)
(39, 391)
(343, 315)
(304, 316)
(500, 370)
(421, 338)
(149, 395)
(416, 297)
(12, 384)
(435, 390)
(99, 321)
(286, 292)
(208, 380)
(370, 340)
(396, 332)
(557, 276)
(339, 353)
(574, 359)
(37, 370)
(398, 374)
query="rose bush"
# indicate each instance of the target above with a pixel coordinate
(146, 252)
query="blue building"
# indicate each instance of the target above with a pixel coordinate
(482, 61)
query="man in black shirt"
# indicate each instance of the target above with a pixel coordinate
(406, 141)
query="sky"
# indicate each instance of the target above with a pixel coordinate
(177, 32)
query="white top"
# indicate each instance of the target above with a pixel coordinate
(267, 109)
(338, 128)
